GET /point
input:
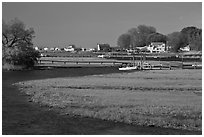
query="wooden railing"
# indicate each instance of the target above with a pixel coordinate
(159, 65)
(43, 61)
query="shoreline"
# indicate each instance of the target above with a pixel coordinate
(62, 107)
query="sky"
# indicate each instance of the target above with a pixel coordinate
(58, 24)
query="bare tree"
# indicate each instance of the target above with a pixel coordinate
(17, 46)
(15, 33)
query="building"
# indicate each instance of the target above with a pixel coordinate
(118, 49)
(70, 48)
(57, 49)
(52, 49)
(36, 48)
(156, 47)
(90, 49)
(45, 49)
(185, 49)
(83, 49)
(134, 50)
(103, 47)
(145, 48)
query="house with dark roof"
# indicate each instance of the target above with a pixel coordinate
(103, 47)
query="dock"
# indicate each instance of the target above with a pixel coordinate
(95, 62)
(79, 63)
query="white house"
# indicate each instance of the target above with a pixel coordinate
(185, 49)
(157, 47)
(83, 49)
(134, 50)
(36, 48)
(45, 48)
(91, 49)
(52, 49)
(103, 47)
(70, 48)
(57, 49)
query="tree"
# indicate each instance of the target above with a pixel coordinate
(193, 36)
(144, 31)
(134, 36)
(140, 34)
(156, 37)
(17, 44)
(124, 41)
(176, 40)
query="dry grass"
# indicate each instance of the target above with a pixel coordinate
(164, 98)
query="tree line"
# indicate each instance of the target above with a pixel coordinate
(17, 45)
(143, 35)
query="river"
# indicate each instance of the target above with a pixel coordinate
(21, 117)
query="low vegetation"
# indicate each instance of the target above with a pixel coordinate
(161, 98)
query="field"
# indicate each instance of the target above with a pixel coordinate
(159, 98)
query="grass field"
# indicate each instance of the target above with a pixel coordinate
(162, 98)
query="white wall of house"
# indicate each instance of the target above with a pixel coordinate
(156, 47)
(83, 49)
(57, 49)
(150, 48)
(52, 49)
(70, 49)
(91, 49)
(36, 48)
(98, 47)
(186, 49)
(45, 49)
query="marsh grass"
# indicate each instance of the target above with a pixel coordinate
(165, 98)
